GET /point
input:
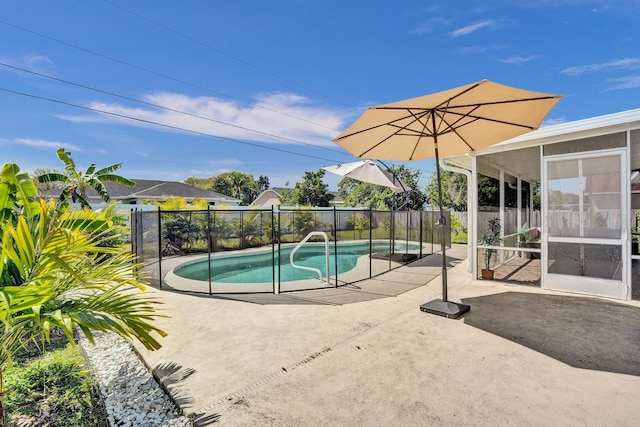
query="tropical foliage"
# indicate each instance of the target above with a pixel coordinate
(59, 272)
(236, 184)
(76, 183)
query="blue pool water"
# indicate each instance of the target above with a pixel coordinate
(256, 267)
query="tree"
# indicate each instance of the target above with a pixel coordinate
(239, 183)
(235, 184)
(362, 194)
(454, 190)
(46, 186)
(262, 184)
(58, 271)
(203, 183)
(311, 191)
(488, 191)
(77, 183)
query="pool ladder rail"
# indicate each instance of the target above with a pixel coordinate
(326, 252)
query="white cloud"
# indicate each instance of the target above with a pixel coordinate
(518, 59)
(479, 49)
(629, 82)
(473, 28)
(272, 118)
(41, 143)
(625, 63)
(430, 25)
(30, 62)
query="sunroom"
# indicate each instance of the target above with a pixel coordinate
(566, 205)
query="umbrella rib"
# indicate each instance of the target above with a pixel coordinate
(488, 119)
(392, 124)
(447, 102)
(455, 129)
(425, 128)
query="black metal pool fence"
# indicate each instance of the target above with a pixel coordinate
(163, 240)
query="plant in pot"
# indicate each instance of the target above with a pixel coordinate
(491, 237)
(523, 240)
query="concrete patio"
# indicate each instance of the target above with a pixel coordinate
(365, 355)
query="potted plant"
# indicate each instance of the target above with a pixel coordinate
(523, 240)
(491, 237)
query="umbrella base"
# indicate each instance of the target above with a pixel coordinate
(448, 309)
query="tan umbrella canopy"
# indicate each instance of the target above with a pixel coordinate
(371, 172)
(454, 121)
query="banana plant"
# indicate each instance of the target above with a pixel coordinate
(17, 192)
(76, 183)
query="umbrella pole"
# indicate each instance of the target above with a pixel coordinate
(442, 307)
(442, 223)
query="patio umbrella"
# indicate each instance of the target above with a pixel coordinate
(454, 121)
(371, 172)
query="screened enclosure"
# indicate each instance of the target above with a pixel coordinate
(567, 199)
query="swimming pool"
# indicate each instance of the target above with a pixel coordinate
(256, 267)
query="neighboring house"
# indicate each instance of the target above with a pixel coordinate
(156, 191)
(271, 197)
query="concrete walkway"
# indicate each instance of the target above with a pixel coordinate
(367, 356)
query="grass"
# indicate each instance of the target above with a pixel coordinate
(52, 388)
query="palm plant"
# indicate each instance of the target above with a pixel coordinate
(76, 183)
(57, 271)
(239, 183)
(491, 237)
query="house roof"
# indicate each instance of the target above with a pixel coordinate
(154, 189)
(594, 126)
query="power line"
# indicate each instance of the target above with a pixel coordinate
(165, 76)
(164, 108)
(139, 68)
(213, 48)
(151, 122)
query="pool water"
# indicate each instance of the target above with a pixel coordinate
(256, 267)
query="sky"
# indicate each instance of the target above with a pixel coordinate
(197, 88)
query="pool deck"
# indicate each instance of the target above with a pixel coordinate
(366, 355)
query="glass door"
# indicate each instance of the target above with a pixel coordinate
(585, 225)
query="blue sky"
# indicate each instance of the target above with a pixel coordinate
(266, 85)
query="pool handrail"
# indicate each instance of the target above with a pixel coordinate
(326, 250)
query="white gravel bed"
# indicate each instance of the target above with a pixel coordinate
(131, 394)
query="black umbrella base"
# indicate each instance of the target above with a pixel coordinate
(449, 309)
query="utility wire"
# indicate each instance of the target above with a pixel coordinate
(165, 108)
(219, 51)
(165, 76)
(213, 48)
(151, 122)
(155, 73)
